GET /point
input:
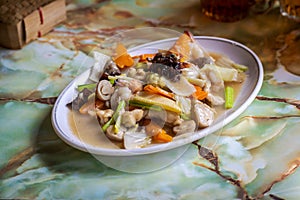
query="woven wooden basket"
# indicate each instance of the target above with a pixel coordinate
(22, 21)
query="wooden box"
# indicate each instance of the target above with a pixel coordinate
(22, 21)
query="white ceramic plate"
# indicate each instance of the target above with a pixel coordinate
(234, 50)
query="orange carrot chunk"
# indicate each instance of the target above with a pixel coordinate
(162, 136)
(159, 91)
(122, 58)
(199, 93)
(158, 133)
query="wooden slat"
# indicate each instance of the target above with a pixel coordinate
(11, 36)
(39, 23)
(36, 24)
(32, 25)
(54, 13)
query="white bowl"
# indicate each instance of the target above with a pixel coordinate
(234, 50)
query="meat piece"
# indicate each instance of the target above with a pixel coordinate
(204, 115)
(139, 74)
(129, 118)
(215, 99)
(188, 126)
(134, 85)
(173, 118)
(104, 115)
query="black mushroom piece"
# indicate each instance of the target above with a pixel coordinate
(110, 70)
(167, 65)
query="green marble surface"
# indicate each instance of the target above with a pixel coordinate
(255, 157)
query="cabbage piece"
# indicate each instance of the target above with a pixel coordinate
(224, 61)
(184, 103)
(228, 74)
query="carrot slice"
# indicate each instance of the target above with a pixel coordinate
(158, 90)
(199, 94)
(162, 136)
(143, 57)
(158, 133)
(120, 49)
(182, 46)
(122, 59)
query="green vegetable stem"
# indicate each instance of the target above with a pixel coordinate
(89, 86)
(121, 105)
(229, 97)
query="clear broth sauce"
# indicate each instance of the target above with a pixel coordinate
(88, 130)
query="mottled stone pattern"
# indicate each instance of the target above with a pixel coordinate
(254, 157)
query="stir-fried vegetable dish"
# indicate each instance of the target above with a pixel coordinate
(152, 98)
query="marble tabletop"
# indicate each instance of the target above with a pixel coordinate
(254, 157)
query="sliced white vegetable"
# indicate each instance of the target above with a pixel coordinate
(197, 81)
(134, 140)
(182, 87)
(101, 61)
